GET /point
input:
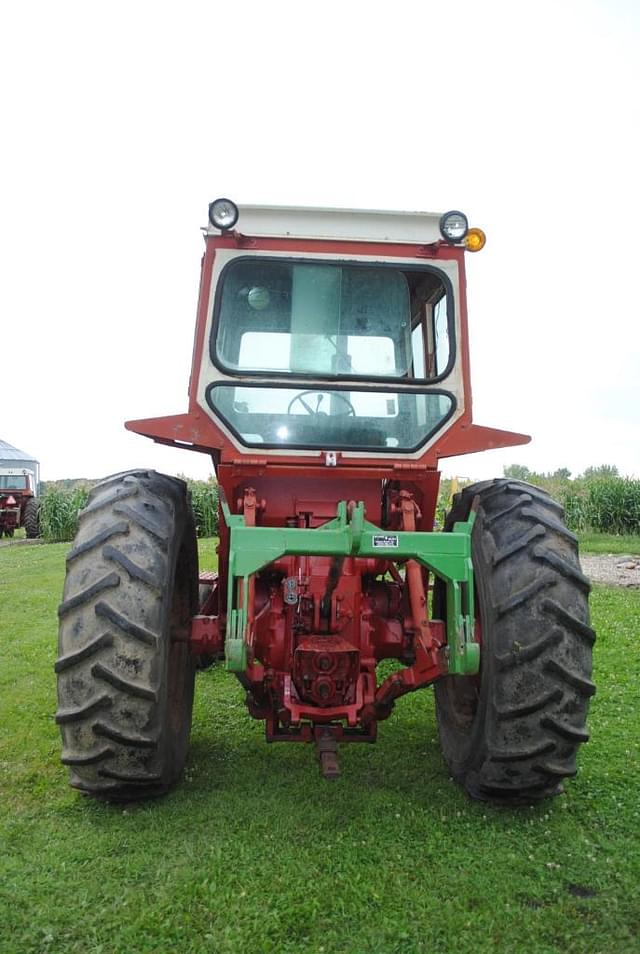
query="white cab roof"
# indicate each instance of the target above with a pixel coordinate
(368, 225)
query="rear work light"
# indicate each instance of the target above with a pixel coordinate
(454, 226)
(223, 214)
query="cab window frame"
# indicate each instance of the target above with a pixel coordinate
(371, 449)
(404, 267)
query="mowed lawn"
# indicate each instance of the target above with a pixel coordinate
(254, 852)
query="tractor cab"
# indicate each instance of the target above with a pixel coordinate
(337, 336)
(15, 479)
(335, 355)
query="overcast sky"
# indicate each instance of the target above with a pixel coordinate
(120, 121)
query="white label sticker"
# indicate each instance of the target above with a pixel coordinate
(385, 540)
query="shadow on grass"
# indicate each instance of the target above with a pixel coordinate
(229, 753)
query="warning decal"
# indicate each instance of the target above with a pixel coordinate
(385, 540)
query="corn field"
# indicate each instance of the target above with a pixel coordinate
(60, 506)
(204, 503)
(607, 505)
(603, 505)
(59, 510)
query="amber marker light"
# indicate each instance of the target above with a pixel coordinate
(474, 240)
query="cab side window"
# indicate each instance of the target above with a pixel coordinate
(430, 343)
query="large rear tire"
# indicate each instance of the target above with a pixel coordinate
(511, 735)
(31, 519)
(125, 673)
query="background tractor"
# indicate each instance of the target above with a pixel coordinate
(19, 506)
(330, 375)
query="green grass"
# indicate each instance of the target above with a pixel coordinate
(609, 543)
(253, 852)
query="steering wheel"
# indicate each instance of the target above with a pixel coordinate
(351, 411)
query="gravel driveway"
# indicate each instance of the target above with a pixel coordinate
(614, 569)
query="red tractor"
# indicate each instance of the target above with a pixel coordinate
(19, 507)
(330, 375)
